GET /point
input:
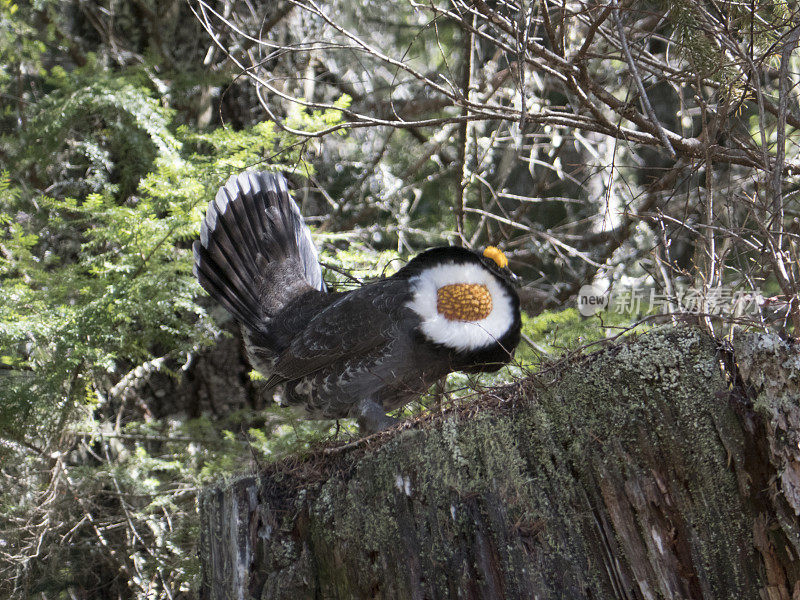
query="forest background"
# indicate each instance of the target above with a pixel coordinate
(649, 149)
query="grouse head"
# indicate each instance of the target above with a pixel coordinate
(467, 303)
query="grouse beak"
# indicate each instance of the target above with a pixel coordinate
(515, 279)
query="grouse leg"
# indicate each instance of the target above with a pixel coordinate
(372, 418)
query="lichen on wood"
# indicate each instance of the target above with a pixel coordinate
(640, 471)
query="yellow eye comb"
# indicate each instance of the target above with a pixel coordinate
(497, 256)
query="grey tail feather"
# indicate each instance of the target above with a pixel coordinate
(252, 219)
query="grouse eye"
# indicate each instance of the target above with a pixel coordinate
(497, 256)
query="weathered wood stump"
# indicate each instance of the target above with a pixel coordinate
(655, 468)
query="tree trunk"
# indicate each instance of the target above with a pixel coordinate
(657, 468)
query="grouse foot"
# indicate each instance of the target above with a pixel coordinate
(372, 418)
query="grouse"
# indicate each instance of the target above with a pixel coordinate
(356, 353)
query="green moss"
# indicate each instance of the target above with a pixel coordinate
(528, 486)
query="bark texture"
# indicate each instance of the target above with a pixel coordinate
(655, 468)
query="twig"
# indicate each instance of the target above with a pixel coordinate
(463, 154)
(789, 47)
(662, 134)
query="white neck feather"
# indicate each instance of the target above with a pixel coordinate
(460, 335)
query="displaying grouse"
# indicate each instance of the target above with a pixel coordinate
(357, 353)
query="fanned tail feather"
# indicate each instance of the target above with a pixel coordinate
(251, 222)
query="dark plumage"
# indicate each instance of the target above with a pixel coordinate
(358, 353)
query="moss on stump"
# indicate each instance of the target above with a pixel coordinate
(640, 471)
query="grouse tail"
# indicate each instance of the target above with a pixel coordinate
(254, 250)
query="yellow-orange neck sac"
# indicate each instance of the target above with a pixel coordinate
(464, 301)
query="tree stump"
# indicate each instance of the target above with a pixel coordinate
(664, 466)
